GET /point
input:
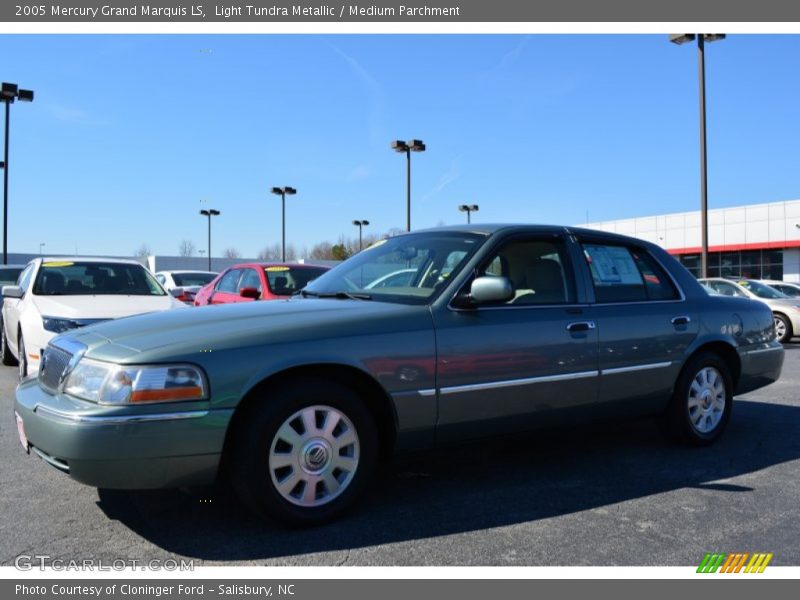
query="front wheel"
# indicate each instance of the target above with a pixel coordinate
(702, 401)
(5, 352)
(305, 452)
(783, 328)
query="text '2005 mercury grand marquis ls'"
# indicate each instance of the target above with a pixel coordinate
(490, 330)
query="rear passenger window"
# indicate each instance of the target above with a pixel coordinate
(622, 274)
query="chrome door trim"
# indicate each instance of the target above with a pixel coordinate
(762, 350)
(79, 419)
(427, 392)
(492, 385)
(631, 369)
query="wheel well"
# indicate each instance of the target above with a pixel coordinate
(370, 391)
(727, 353)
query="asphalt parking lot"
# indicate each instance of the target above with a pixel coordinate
(606, 495)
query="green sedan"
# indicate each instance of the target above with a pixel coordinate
(487, 330)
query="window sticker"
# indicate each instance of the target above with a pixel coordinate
(57, 264)
(613, 265)
(275, 269)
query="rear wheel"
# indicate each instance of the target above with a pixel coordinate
(304, 454)
(23, 358)
(5, 352)
(783, 327)
(702, 401)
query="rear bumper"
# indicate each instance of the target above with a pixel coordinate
(761, 365)
(106, 447)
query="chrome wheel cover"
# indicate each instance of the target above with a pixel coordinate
(314, 456)
(780, 327)
(706, 400)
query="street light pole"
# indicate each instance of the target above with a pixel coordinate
(412, 146)
(282, 193)
(8, 93)
(702, 38)
(360, 225)
(41, 246)
(469, 209)
(209, 213)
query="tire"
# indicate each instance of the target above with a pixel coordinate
(303, 433)
(783, 328)
(701, 404)
(5, 352)
(23, 358)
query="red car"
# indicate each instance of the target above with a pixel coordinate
(257, 281)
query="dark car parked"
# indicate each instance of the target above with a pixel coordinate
(498, 329)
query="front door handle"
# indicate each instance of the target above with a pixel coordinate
(577, 326)
(681, 320)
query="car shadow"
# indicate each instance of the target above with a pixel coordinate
(470, 488)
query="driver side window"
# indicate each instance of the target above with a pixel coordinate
(539, 271)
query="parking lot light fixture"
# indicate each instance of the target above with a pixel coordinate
(401, 146)
(469, 209)
(360, 224)
(9, 92)
(282, 192)
(702, 38)
(209, 213)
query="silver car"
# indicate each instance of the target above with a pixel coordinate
(785, 310)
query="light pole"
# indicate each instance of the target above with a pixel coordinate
(41, 246)
(702, 38)
(282, 192)
(408, 148)
(8, 93)
(360, 225)
(209, 213)
(469, 209)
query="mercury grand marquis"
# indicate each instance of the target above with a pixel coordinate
(498, 329)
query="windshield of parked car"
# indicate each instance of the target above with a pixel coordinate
(285, 281)
(761, 290)
(188, 279)
(408, 269)
(77, 278)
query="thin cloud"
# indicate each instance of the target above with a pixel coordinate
(69, 114)
(510, 57)
(448, 177)
(377, 97)
(360, 173)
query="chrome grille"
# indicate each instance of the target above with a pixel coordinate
(52, 366)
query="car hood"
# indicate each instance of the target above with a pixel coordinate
(101, 306)
(206, 329)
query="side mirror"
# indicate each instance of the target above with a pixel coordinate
(491, 289)
(177, 292)
(12, 291)
(249, 292)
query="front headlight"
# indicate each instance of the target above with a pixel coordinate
(107, 383)
(58, 325)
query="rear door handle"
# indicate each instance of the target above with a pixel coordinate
(681, 320)
(577, 326)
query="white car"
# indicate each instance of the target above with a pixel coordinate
(54, 295)
(785, 287)
(185, 284)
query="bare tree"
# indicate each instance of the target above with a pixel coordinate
(322, 251)
(186, 248)
(144, 250)
(270, 253)
(231, 253)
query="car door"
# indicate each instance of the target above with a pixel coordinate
(12, 307)
(227, 288)
(251, 278)
(644, 322)
(506, 366)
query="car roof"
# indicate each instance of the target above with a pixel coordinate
(277, 264)
(188, 271)
(85, 259)
(492, 228)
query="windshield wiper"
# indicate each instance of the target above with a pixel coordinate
(337, 295)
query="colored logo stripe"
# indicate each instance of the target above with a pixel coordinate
(733, 563)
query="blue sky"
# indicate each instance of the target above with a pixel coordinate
(129, 133)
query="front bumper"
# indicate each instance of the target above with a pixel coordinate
(137, 447)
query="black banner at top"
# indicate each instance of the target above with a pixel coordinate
(407, 11)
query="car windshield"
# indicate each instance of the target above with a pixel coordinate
(407, 269)
(77, 278)
(761, 290)
(187, 278)
(9, 275)
(285, 281)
